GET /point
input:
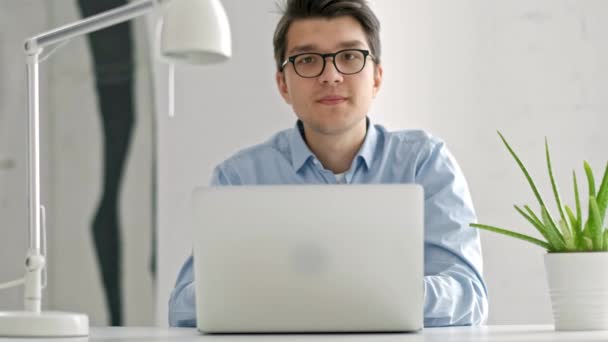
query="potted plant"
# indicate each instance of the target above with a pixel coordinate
(577, 260)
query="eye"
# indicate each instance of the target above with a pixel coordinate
(349, 56)
(307, 59)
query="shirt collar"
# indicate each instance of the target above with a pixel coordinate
(300, 153)
(366, 152)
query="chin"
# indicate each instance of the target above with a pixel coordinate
(334, 125)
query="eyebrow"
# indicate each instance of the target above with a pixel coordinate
(312, 47)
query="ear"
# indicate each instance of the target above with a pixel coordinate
(280, 78)
(377, 80)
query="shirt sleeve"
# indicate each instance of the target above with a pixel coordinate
(455, 292)
(182, 303)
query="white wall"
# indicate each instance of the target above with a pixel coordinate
(460, 69)
(72, 169)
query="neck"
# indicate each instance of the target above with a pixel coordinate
(336, 152)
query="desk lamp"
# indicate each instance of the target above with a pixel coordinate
(192, 32)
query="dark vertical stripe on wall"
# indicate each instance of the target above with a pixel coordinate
(112, 54)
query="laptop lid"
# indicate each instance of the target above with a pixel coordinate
(309, 258)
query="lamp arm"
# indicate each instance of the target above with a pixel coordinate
(91, 24)
(35, 260)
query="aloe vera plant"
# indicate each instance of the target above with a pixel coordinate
(569, 233)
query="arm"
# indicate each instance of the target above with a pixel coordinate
(182, 304)
(455, 292)
(182, 309)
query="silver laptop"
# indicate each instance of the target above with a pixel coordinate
(309, 258)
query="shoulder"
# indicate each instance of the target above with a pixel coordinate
(420, 153)
(276, 148)
(410, 141)
(276, 145)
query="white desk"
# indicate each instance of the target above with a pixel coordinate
(498, 333)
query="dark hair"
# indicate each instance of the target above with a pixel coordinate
(303, 9)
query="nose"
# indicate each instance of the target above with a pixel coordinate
(330, 74)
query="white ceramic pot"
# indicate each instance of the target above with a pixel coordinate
(578, 285)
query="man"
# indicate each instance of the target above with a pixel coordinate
(328, 69)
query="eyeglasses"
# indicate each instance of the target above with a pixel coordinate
(312, 64)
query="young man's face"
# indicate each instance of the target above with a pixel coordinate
(332, 103)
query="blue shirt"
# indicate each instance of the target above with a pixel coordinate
(454, 289)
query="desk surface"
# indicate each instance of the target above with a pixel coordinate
(453, 334)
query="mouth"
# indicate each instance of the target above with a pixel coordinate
(332, 100)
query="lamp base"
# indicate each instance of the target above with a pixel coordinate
(44, 324)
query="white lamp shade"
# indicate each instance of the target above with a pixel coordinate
(195, 32)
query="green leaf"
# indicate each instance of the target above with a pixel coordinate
(579, 218)
(587, 244)
(513, 234)
(540, 223)
(525, 171)
(535, 222)
(582, 244)
(569, 240)
(551, 238)
(590, 178)
(606, 239)
(557, 240)
(602, 195)
(575, 233)
(532, 214)
(554, 185)
(587, 232)
(595, 228)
